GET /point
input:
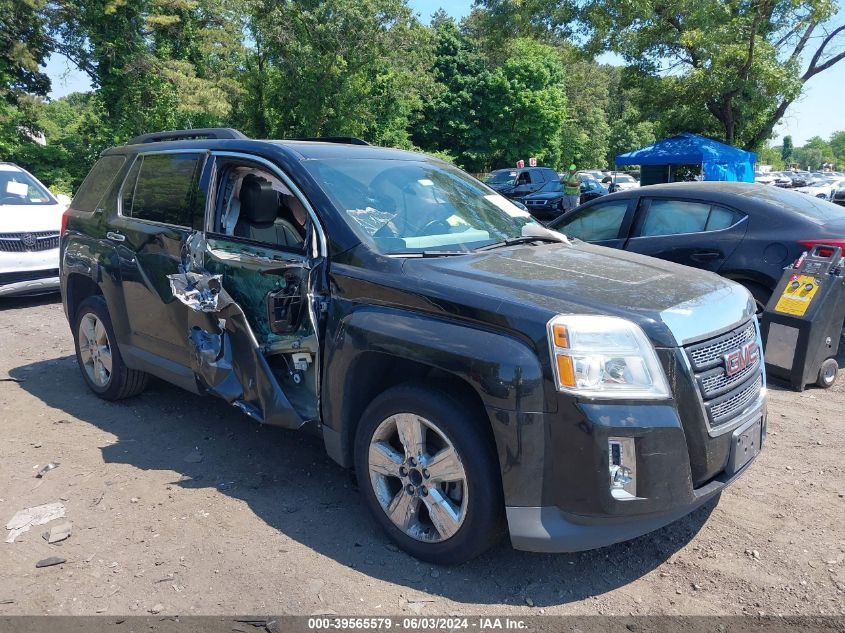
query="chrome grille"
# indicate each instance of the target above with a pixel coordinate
(710, 353)
(29, 241)
(716, 382)
(723, 410)
(724, 397)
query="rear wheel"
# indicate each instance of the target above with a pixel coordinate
(99, 358)
(429, 474)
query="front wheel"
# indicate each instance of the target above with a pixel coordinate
(429, 474)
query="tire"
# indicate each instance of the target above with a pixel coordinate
(467, 515)
(98, 356)
(760, 293)
(827, 374)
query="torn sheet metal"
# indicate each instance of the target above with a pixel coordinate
(225, 355)
(199, 292)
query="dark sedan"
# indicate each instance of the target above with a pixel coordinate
(547, 203)
(743, 231)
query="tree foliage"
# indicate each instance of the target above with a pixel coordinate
(514, 79)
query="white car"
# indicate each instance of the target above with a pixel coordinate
(823, 189)
(30, 219)
(619, 182)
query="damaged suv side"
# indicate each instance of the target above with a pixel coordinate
(476, 369)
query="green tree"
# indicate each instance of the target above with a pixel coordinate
(342, 67)
(772, 156)
(837, 144)
(449, 120)
(815, 153)
(155, 64)
(737, 63)
(23, 49)
(586, 131)
(788, 151)
(524, 106)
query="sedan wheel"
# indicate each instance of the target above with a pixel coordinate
(95, 350)
(418, 477)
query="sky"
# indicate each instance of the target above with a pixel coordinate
(812, 115)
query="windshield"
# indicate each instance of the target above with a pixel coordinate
(19, 188)
(816, 209)
(623, 178)
(400, 206)
(501, 177)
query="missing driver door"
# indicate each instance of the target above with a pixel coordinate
(258, 247)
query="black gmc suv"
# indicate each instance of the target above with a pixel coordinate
(475, 368)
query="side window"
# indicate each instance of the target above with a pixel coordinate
(674, 217)
(97, 183)
(599, 222)
(165, 188)
(254, 204)
(524, 179)
(721, 218)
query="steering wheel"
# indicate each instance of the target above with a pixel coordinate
(10, 199)
(439, 224)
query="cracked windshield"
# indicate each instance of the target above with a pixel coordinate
(411, 206)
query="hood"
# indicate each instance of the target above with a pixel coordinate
(673, 304)
(20, 218)
(543, 195)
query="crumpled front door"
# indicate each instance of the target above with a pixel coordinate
(226, 357)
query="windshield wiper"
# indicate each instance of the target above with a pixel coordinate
(427, 253)
(525, 239)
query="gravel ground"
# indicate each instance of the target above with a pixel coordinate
(181, 504)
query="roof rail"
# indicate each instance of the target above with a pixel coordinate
(182, 135)
(347, 140)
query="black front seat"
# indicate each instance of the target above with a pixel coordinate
(259, 206)
(258, 215)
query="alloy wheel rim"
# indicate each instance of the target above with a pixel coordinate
(418, 477)
(95, 350)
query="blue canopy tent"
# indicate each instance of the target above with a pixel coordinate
(718, 161)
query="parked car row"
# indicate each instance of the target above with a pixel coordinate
(795, 179)
(540, 189)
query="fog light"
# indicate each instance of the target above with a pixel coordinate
(622, 467)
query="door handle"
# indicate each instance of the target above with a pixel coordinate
(115, 237)
(705, 256)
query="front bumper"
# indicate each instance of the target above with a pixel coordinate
(29, 272)
(577, 511)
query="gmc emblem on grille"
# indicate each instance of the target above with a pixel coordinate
(738, 359)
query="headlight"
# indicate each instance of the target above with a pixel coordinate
(604, 357)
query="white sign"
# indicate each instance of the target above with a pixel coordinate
(17, 188)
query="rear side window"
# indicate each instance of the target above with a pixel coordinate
(596, 223)
(97, 183)
(674, 217)
(164, 188)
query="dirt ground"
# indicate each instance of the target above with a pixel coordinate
(259, 520)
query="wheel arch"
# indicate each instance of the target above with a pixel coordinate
(374, 348)
(78, 288)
